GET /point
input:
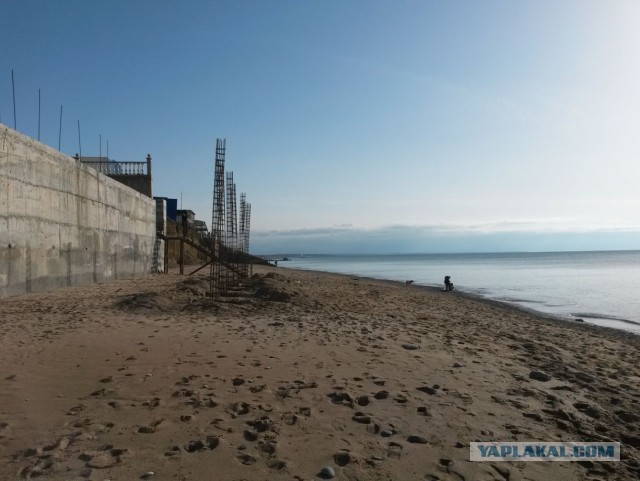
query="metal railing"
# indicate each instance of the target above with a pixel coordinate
(119, 168)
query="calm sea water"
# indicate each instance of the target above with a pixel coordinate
(600, 287)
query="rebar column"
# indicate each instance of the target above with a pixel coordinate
(234, 216)
(231, 234)
(241, 238)
(246, 233)
(217, 223)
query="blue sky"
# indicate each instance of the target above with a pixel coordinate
(354, 126)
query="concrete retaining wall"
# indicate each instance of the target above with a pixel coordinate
(63, 223)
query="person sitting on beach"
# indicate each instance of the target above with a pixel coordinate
(448, 286)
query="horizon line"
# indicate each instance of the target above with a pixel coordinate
(289, 254)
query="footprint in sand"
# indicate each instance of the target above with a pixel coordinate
(153, 403)
(361, 418)
(151, 428)
(432, 391)
(267, 448)
(194, 446)
(394, 450)
(343, 398)
(103, 459)
(276, 464)
(373, 428)
(423, 411)
(342, 458)
(98, 393)
(289, 419)
(265, 423)
(40, 467)
(184, 393)
(210, 442)
(381, 395)
(246, 459)
(238, 409)
(173, 451)
(400, 399)
(304, 411)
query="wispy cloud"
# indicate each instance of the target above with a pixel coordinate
(503, 236)
(560, 225)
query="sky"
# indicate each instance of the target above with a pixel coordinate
(354, 126)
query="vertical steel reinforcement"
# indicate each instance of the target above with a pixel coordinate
(231, 234)
(241, 234)
(216, 279)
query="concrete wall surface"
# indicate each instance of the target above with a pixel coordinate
(63, 223)
(141, 183)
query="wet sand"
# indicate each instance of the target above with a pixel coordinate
(149, 378)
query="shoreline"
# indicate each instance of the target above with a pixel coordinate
(569, 285)
(500, 303)
(299, 371)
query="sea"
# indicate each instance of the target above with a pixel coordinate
(602, 288)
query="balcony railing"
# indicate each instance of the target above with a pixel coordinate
(119, 168)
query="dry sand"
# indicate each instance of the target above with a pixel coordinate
(304, 371)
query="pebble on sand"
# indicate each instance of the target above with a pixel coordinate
(327, 472)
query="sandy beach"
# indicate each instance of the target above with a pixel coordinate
(149, 378)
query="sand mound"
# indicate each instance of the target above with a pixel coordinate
(268, 288)
(196, 286)
(144, 301)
